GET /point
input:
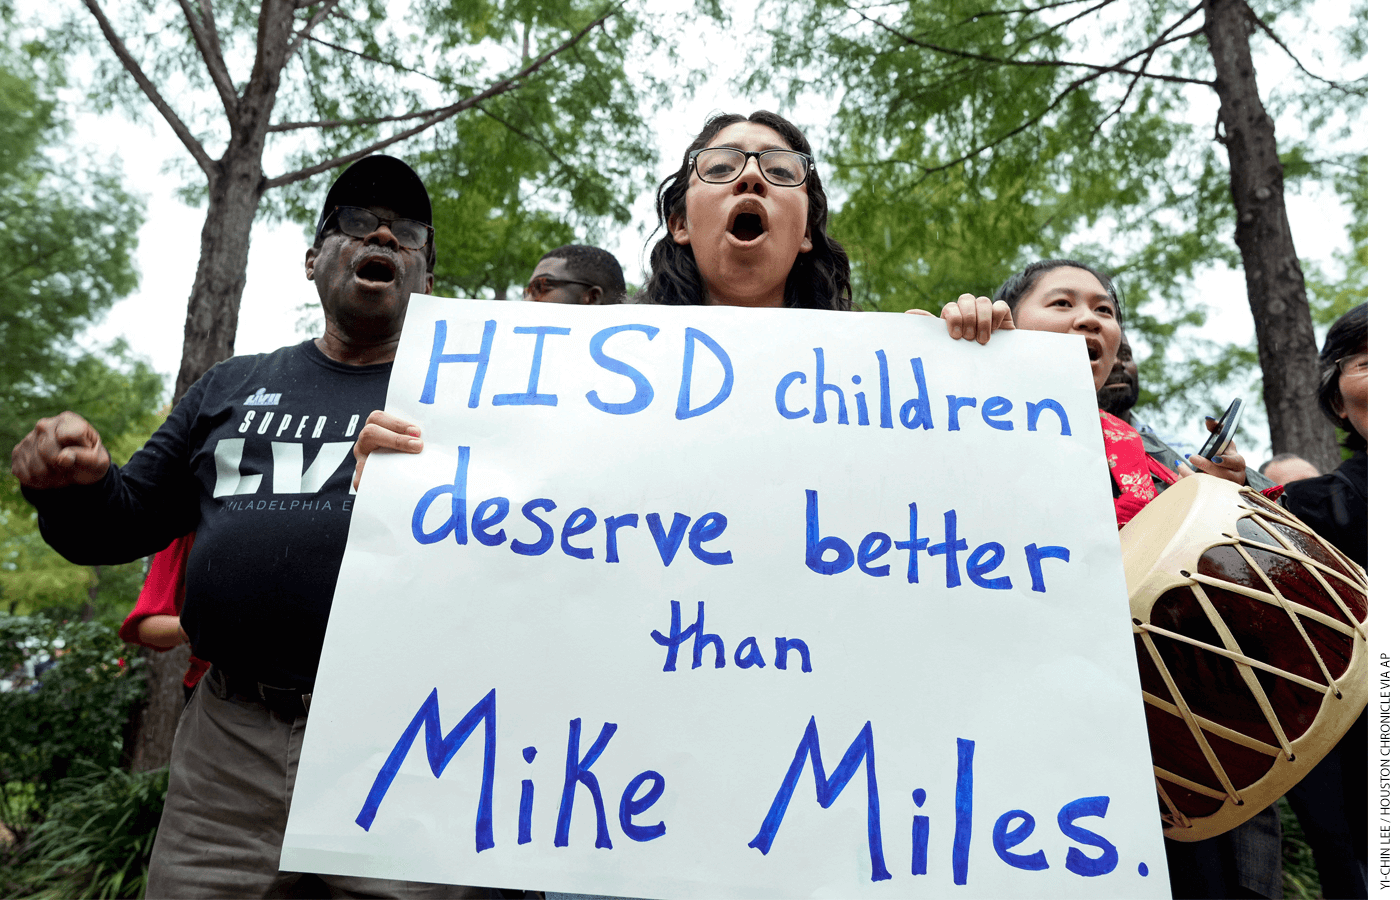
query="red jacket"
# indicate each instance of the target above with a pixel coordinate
(163, 594)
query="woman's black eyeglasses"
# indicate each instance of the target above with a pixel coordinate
(357, 222)
(721, 165)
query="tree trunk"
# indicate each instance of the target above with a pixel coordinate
(1277, 295)
(210, 325)
(235, 187)
(151, 729)
(90, 606)
(211, 322)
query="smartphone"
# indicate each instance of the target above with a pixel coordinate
(1229, 423)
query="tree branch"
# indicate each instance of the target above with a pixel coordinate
(206, 165)
(387, 62)
(1151, 51)
(340, 123)
(1126, 94)
(207, 40)
(1165, 37)
(1344, 88)
(316, 19)
(1119, 67)
(549, 151)
(1031, 120)
(508, 83)
(276, 22)
(1058, 25)
(33, 263)
(1023, 12)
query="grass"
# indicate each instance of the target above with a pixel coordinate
(96, 839)
(1300, 881)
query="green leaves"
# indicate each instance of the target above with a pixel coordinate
(973, 136)
(67, 234)
(553, 162)
(1331, 296)
(68, 688)
(97, 839)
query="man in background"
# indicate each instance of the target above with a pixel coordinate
(577, 273)
(1120, 394)
(1287, 467)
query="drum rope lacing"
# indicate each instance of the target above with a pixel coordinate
(1246, 664)
(1312, 565)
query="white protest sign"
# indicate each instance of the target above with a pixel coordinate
(701, 602)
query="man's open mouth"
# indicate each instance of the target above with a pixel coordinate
(747, 227)
(375, 270)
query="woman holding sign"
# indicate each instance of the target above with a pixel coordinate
(1068, 297)
(745, 218)
(1064, 296)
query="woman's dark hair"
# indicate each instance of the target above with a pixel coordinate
(1346, 337)
(820, 278)
(1015, 288)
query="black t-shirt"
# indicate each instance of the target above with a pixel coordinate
(256, 460)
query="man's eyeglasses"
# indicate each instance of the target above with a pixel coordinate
(721, 165)
(543, 284)
(357, 222)
(1353, 365)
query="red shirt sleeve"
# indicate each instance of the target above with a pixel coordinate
(164, 591)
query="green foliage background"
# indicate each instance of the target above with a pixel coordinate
(971, 137)
(74, 707)
(67, 234)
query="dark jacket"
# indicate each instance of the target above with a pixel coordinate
(1334, 505)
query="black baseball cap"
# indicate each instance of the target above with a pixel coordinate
(379, 181)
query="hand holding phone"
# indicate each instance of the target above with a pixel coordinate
(1224, 432)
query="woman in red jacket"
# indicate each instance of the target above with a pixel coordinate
(155, 622)
(1069, 297)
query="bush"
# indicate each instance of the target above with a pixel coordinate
(66, 690)
(1300, 881)
(96, 840)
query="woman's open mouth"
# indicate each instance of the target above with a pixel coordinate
(747, 227)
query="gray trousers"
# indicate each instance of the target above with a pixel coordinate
(232, 768)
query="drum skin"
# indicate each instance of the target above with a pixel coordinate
(1251, 645)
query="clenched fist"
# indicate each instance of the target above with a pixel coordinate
(62, 451)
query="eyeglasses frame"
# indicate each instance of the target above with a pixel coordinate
(811, 164)
(1346, 360)
(553, 281)
(334, 214)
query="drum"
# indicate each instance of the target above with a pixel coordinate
(1251, 646)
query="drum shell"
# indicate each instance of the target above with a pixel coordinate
(1187, 558)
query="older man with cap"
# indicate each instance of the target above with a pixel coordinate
(256, 461)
